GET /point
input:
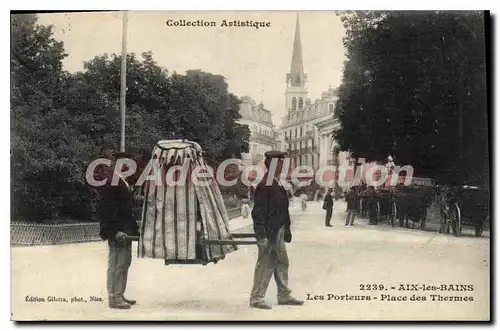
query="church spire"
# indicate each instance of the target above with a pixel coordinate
(297, 76)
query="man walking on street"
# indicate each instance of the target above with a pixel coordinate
(352, 202)
(328, 206)
(271, 221)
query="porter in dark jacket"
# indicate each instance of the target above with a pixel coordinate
(117, 222)
(116, 211)
(271, 221)
(270, 212)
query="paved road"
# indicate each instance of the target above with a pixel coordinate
(325, 262)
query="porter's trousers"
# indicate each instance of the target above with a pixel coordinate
(119, 259)
(272, 260)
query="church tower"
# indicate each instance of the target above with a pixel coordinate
(296, 91)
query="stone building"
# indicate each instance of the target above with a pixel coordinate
(307, 129)
(259, 121)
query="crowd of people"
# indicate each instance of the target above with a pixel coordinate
(352, 198)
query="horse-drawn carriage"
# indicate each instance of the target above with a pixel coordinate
(379, 200)
(465, 205)
(397, 203)
(411, 203)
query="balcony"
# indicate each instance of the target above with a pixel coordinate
(262, 138)
(303, 151)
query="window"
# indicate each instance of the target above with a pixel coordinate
(330, 107)
(294, 103)
(295, 132)
(301, 103)
(301, 131)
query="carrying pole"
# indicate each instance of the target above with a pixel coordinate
(123, 81)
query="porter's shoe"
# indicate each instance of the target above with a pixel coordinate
(291, 302)
(130, 302)
(118, 304)
(260, 305)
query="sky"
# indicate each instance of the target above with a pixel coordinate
(254, 61)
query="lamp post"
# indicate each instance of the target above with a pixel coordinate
(123, 81)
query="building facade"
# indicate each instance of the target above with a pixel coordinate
(307, 129)
(262, 130)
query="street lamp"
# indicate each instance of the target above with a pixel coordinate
(123, 81)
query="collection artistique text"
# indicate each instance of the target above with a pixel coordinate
(223, 23)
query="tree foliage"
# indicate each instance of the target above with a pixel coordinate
(414, 86)
(62, 121)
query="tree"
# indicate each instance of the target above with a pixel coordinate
(208, 113)
(45, 146)
(196, 106)
(36, 62)
(408, 80)
(61, 121)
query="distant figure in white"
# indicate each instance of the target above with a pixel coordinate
(303, 201)
(390, 165)
(245, 208)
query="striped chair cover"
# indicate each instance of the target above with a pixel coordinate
(176, 217)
